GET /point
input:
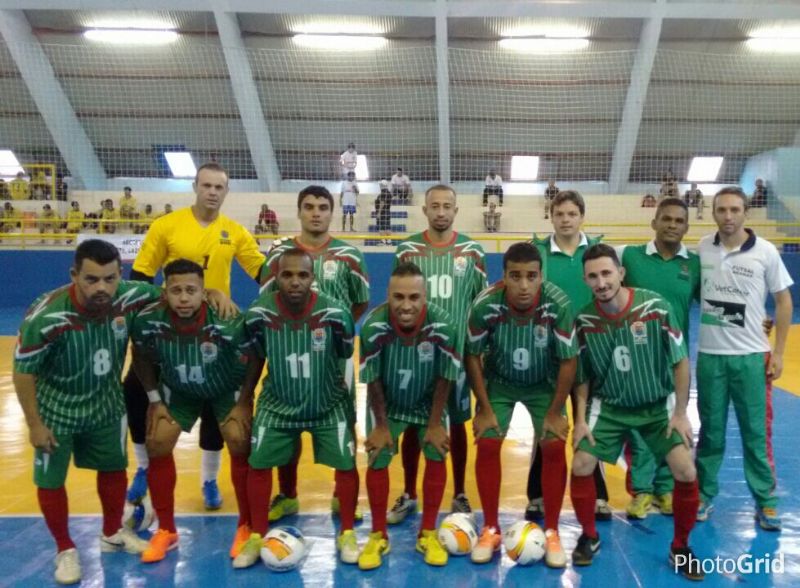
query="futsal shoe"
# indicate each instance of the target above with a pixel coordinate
(435, 553)
(768, 518)
(403, 506)
(212, 499)
(639, 506)
(68, 567)
(704, 511)
(554, 556)
(243, 533)
(684, 562)
(372, 556)
(138, 488)
(461, 504)
(160, 543)
(602, 511)
(347, 546)
(123, 540)
(663, 502)
(282, 506)
(336, 509)
(250, 552)
(488, 543)
(585, 550)
(535, 510)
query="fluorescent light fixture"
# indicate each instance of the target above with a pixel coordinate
(131, 23)
(180, 164)
(775, 40)
(9, 164)
(132, 36)
(704, 169)
(340, 42)
(543, 45)
(338, 28)
(362, 169)
(548, 32)
(524, 167)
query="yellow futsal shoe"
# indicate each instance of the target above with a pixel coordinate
(250, 552)
(663, 502)
(347, 545)
(336, 509)
(376, 547)
(435, 553)
(639, 506)
(282, 506)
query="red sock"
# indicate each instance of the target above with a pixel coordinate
(584, 496)
(287, 475)
(378, 492)
(111, 488)
(259, 491)
(487, 477)
(161, 479)
(685, 500)
(53, 503)
(239, 470)
(347, 491)
(410, 451)
(628, 453)
(458, 455)
(554, 480)
(433, 482)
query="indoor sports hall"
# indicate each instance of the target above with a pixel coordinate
(107, 112)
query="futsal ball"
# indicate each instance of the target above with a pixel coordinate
(284, 548)
(524, 542)
(457, 533)
(138, 517)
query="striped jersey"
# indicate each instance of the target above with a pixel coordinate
(522, 348)
(339, 270)
(202, 359)
(305, 385)
(408, 364)
(628, 357)
(77, 357)
(455, 273)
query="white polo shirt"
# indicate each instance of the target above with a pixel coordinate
(493, 183)
(734, 288)
(400, 180)
(349, 193)
(349, 160)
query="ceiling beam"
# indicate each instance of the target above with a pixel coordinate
(247, 100)
(52, 102)
(443, 91)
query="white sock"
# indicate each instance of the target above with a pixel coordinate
(209, 465)
(140, 452)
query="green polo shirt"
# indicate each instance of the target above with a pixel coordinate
(676, 279)
(566, 271)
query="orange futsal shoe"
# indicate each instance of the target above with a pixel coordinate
(160, 543)
(241, 537)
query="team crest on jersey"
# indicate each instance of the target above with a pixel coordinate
(208, 351)
(329, 270)
(425, 351)
(318, 339)
(540, 336)
(684, 275)
(120, 327)
(224, 238)
(460, 265)
(639, 332)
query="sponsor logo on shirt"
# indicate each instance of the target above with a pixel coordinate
(540, 336)
(728, 289)
(724, 314)
(119, 327)
(208, 351)
(639, 332)
(329, 270)
(460, 265)
(738, 270)
(224, 238)
(425, 351)
(318, 339)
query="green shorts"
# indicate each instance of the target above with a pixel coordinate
(536, 399)
(459, 403)
(186, 409)
(611, 426)
(334, 446)
(396, 428)
(103, 449)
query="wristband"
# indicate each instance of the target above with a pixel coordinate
(153, 396)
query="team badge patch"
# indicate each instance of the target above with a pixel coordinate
(540, 336)
(120, 327)
(425, 351)
(208, 351)
(639, 332)
(318, 339)
(460, 265)
(329, 270)
(224, 238)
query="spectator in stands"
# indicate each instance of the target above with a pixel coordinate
(19, 188)
(759, 199)
(383, 212)
(494, 187)
(669, 186)
(40, 190)
(47, 220)
(649, 201)
(127, 207)
(348, 199)
(110, 216)
(146, 217)
(74, 223)
(401, 185)
(694, 197)
(549, 193)
(267, 221)
(61, 188)
(4, 195)
(348, 160)
(11, 218)
(491, 218)
(167, 210)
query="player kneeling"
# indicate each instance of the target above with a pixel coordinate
(409, 362)
(634, 358)
(305, 335)
(185, 356)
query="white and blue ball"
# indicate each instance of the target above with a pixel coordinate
(139, 517)
(284, 549)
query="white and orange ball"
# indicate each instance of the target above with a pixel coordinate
(524, 542)
(284, 548)
(458, 533)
